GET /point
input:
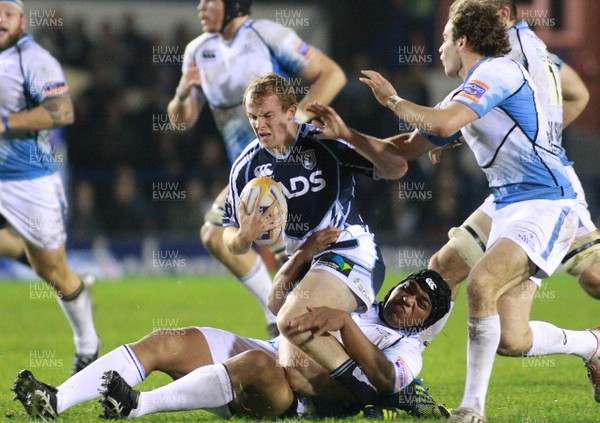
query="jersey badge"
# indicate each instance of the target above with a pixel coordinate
(474, 90)
(309, 160)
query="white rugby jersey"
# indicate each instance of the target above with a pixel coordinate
(544, 68)
(228, 67)
(401, 348)
(28, 76)
(509, 140)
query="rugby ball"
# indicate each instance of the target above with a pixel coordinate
(265, 191)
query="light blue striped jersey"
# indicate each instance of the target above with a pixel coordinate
(531, 52)
(28, 76)
(509, 140)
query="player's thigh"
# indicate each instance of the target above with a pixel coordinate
(11, 245)
(319, 288)
(514, 308)
(504, 266)
(465, 247)
(173, 351)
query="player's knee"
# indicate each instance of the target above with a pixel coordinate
(590, 280)
(284, 316)
(513, 346)
(162, 343)
(211, 237)
(262, 365)
(481, 287)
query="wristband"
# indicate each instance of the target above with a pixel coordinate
(392, 102)
(181, 98)
(5, 122)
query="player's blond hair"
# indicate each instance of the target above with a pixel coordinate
(270, 84)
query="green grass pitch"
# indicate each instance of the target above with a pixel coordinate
(35, 335)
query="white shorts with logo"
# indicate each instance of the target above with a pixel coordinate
(544, 229)
(354, 264)
(36, 209)
(585, 225)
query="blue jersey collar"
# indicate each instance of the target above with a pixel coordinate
(25, 38)
(485, 59)
(521, 25)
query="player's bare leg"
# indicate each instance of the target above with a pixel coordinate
(502, 268)
(321, 288)
(74, 298)
(249, 268)
(583, 262)
(455, 259)
(12, 246)
(251, 382)
(590, 280)
(317, 288)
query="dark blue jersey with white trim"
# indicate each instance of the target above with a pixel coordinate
(316, 176)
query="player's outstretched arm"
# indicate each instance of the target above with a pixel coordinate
(382, 153)
(327, 78)
(321, 320)
(185, 108)
(443, 122)
(575, 94)
(298, 264)
(54, 112)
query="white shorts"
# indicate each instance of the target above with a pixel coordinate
(36, 209)
(353, 260)
(488, 207)
(544, 229)
(586, 225)
(224, 345)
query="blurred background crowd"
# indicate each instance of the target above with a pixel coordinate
(131, 172)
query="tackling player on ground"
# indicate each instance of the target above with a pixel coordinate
(229, 374)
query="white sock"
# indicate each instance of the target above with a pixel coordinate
(205, 387)
(258, 281)
(79, 314)
(427, 335)
(484, 338)
(549, 339)
(85, 384)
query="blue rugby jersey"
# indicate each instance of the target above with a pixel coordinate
(509, 140)
(28, 76)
